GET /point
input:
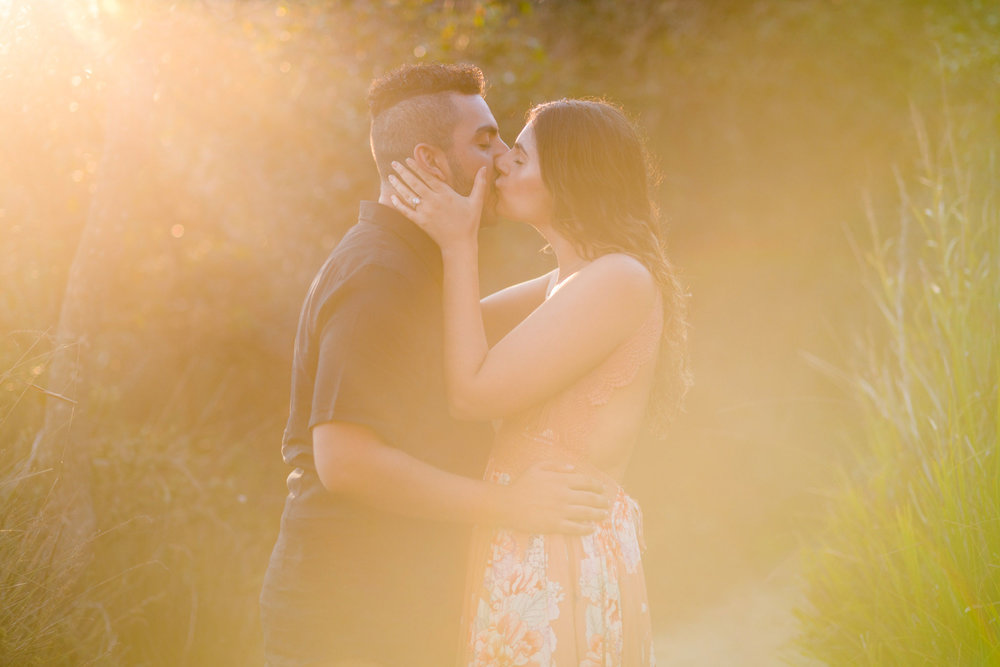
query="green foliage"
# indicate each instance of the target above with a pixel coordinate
(908, 571)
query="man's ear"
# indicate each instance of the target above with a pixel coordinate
(434, 160)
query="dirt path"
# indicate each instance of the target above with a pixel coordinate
(752, 628)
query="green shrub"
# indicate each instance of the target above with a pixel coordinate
(910, 570)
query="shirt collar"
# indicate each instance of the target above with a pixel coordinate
(399, 225)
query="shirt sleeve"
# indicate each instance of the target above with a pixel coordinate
(364, 357)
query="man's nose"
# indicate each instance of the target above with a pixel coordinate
(498, 164)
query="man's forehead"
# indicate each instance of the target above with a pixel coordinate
(474, 114)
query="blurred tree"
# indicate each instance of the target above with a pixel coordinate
(126, 195)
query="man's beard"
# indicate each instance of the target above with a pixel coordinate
(462, 184)
(461, 181)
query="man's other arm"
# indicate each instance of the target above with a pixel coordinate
(504, 310)
(353, 462)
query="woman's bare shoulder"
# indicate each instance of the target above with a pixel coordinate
(624, 276)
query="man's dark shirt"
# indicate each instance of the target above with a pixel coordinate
(346, 580)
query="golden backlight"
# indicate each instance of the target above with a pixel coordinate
(172, 175)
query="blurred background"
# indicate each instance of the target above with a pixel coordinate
(172, 174)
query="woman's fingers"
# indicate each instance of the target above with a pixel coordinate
(585, 513)
(406, 209)
(478, 194)
(584, 489)
(594, 501)
(427, 177)
(399, 206)
(404, 192)
(408, 176)
(570, 477)
(582, 482)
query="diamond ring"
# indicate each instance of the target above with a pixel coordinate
(415, 201)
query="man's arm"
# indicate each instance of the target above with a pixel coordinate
(504, 310)
(352, 461)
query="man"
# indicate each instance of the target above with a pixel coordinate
(369, 563)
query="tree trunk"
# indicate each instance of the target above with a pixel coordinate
(117, 209)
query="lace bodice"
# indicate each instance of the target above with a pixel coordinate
(563, 422)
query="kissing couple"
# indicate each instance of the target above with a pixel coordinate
(414, 532)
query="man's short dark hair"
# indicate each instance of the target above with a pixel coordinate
(411, 105)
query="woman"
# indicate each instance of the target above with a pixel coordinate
(573, 363)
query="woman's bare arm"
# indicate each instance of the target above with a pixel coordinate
(593, 311)
(591, 314)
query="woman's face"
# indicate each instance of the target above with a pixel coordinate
(521, 194)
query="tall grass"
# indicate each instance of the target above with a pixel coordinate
(46, 615)
(171, 578)
(173, 573)
(910, 570)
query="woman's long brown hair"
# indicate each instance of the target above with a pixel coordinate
(594, 164)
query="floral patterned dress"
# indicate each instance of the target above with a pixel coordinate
(561, 600)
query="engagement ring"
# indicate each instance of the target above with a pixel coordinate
(415, 201)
